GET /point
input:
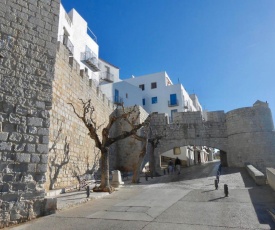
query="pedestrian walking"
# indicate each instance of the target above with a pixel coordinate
(177, 165)
(170, 166)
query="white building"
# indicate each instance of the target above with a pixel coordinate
(154, 92)
(73, 32)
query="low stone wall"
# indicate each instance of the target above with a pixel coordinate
(257, 176)
(270, 174)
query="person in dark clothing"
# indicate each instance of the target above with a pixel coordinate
(177, 165)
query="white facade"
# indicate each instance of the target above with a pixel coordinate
(160, 95)
(154, 92)
(122, 92)
(73, 33)
(108, 72)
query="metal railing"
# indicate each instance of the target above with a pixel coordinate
(90, 59)
(67, 42)
(107, 76)
(173, 103)
(92, 34)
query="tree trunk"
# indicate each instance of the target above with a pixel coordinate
(105, 184)
(137, 167)
(151, 150)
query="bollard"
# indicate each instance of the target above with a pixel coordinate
(164, 172)
(216, 184)
(146, 177)
(226, 190)
(88, 191)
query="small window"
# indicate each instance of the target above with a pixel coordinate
(154, 100)
(126, 95)
(143, 101)
(142, 87)
(153, 85)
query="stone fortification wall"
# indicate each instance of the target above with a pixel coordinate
(128, 149)
(190, 128)
(72, 151)
(246, 135)
(28, 31)
(251, 137)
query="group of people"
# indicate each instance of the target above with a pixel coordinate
(171, 167)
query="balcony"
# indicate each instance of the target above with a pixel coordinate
(118, 100)
(67, 42)
(173, 103)
(90, 59)
(107, 76)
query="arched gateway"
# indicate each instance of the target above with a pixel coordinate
(246, 135)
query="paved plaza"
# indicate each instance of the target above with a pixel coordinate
(185, 201)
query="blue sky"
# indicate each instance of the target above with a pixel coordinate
(222, 50)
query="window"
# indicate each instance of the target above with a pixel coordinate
(142, 87)
(154, 100)
(153, 85)
(143, 101)
(126, 95)
(173, 100)
(116, 96)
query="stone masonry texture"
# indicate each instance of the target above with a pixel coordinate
(72, 151)
(28, 34)
(43, 144)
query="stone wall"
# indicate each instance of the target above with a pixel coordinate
(251, 137)
(128, 149)
(28, 31)
(72, 151)
(246, 135)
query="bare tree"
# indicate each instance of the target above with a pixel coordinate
(105, 140)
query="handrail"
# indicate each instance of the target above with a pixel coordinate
(93, 35)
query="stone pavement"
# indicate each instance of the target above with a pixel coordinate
(185, 201)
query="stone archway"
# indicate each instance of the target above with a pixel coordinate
(241, 133)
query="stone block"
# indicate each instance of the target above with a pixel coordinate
(45, 114)
(3, 117)
(35, 158)
(5, 146)
(31, 167)
(116, 180)
(23, 157)
(21, 128)
(15, 137)
(5, 187)
(44, 158)
(21, 110)
(30, 138)
(50, 205)
(32, 129)
(4, 136)
(8, 178)
(43, 131)
(40, 104)
(14, 119)
(30, 148)
(45, 139)
(19, 147)
(41, 148)
(270, 173)
(42, 168)
(257, 176)
(35, 121)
